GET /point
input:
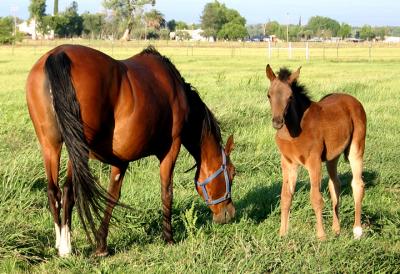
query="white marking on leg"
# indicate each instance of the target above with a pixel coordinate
(357, 231)
(65, 242)
(117, 177)
(57, 228)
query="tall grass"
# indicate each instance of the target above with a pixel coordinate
(234, 87)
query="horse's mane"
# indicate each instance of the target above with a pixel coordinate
(299, 90)
(197, 108)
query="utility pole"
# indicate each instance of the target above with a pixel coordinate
(287, 27)
(14, 10)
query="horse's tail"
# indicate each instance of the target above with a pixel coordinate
(90, 197)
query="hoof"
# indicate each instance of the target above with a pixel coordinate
(101, 253)
(357, 231)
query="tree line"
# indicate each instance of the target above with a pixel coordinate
(127, 19)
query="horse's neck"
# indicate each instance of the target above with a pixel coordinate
(294, 117)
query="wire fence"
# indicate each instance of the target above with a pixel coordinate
(302, 51)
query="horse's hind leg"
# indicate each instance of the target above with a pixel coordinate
(114, 190)
(356, 162)
(334, 190)
(51, 157)
(68, 202)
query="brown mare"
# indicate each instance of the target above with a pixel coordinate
(117, 112)
(309, 133)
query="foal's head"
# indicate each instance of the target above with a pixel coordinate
(280, 94)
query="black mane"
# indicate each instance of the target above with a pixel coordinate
(299, 91)
(200, 121)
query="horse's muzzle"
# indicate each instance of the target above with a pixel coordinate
(226, 214)
(277, 122)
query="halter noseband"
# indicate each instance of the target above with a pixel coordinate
(227, 194)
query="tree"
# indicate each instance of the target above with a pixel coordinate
(180, 25)
(55, 10)
(37, 10)
(233, 31)
(7, 31)
(93, 24)
(126, 11)
(344, 31)
(367, 32)
(320, 25)
(171, 25)
(213, 18)
(154, 19)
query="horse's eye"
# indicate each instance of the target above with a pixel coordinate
(269, 97)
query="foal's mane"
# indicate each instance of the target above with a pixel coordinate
(299, 90)
(198, 110)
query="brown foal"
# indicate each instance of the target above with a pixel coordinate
(309, 133)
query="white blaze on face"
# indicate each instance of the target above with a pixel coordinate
(65, 242)
(57, 228)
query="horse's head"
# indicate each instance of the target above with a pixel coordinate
(214, 180)
(280, 95)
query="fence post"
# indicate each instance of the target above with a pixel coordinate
(323, 52)
(290, 50)
(337, 50)
(269, 50)
(307, 52)
(369, 50)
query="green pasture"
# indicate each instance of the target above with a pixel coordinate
(231, 80)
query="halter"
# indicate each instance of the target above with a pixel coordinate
(227, 194)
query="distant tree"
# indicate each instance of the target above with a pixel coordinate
(55, 10)
(93, 24)
(320, 25)
(367, 33)
(154, 19)
(180, 25)
(274, 28)
(344, 31)
(7, 31)
(255, 30)
(171, 25)
(213, 18)
(37, 10)
(126, 11)
(381, 32)
(232, 31)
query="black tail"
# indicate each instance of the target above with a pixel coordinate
(90, 197)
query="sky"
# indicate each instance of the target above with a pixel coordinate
(353, 12)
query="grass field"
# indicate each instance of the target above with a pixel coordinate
(234, 87)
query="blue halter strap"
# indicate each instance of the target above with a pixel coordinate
(222, 169)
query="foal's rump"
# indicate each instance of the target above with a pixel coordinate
(343, 122)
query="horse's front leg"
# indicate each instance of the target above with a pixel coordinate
(167, 164)
(289, 176)
(314, 170)
(114, 190)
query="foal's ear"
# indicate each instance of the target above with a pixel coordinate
(270, 74)
(294, 76)
(230, 145)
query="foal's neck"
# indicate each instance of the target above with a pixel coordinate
(295, 112)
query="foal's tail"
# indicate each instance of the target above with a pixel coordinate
(90, 197)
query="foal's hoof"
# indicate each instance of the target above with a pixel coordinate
(101, 253)
(357, 232)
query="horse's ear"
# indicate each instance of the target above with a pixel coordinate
(294, 76)
(270, 74)
(230, 145)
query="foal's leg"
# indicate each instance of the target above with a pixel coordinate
(334, 190)
(51, 157)
(289, 175)
(356, 161)
(167, 164)
(114, 190)
(314, 170)
(68, 202)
